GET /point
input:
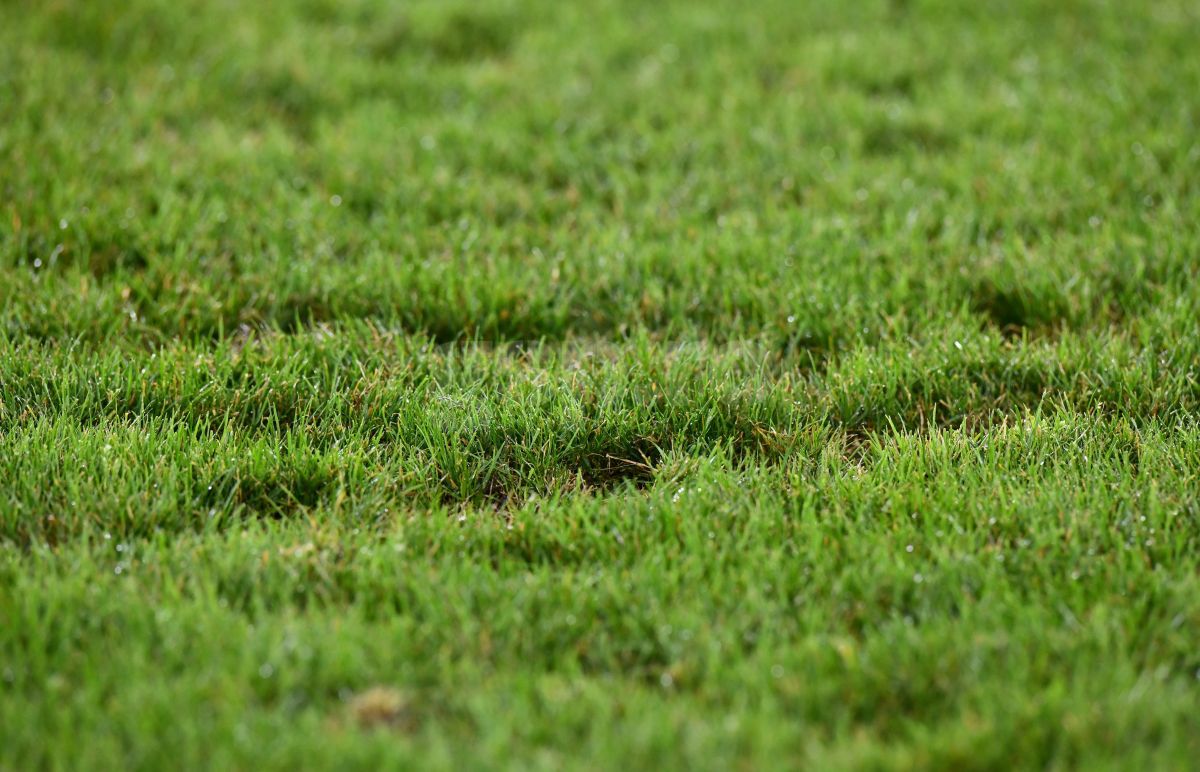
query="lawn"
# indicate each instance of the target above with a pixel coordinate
(608, 384)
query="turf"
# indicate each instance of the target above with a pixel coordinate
(599, 385)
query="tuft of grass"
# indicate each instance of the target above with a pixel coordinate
(380, 707)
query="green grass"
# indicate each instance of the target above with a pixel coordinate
(599, 385)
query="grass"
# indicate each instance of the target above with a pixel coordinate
(596, 385)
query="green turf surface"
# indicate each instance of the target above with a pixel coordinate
(599, 385)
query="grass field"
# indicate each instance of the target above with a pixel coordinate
(599, 385)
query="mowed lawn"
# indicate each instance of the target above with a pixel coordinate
(626, 385)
